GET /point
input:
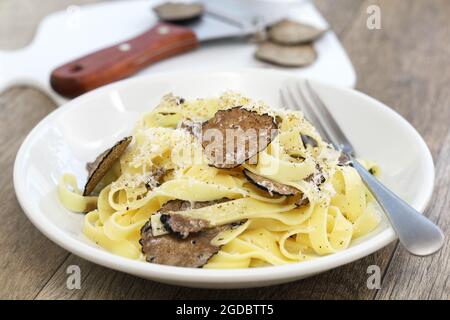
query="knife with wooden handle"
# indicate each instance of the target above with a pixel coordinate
(129, 56)
(121, 60)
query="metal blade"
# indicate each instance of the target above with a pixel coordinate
(222, 19)
(212, 27)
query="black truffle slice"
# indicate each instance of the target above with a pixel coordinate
(188, 244)
(181, 225)
(242, 134)
(317, 178)
(289, 32)
(309, 141)
(273, 187)
(286, 56)
(181, 205)
(178, 12)
(302, 201)
(269, 185)
(100, 166)
(343, 160)
(193, 127)
(193, 251)
(155, 178)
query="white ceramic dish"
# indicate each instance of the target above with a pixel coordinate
(79, 130)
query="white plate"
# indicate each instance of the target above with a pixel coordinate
(75, 133)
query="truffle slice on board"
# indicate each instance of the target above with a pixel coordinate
(286, 56)
(100, 166)
(288, 32)
(235, 135)
(178, 11)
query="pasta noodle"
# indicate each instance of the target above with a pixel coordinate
(273, 229)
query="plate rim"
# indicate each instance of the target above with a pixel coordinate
(209, 277)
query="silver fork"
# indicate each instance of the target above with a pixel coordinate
(418, 235)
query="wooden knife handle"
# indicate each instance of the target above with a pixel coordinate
(121, 60)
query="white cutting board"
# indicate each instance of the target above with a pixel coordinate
(66, 35)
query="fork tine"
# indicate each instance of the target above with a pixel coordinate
(308, 111)
(338, 137)
(285, 103)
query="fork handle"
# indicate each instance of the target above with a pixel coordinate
(419, 235)
(121, 60)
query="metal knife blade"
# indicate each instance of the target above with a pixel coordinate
(236, 18)
(218, 24)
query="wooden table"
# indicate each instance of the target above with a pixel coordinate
(406, 64)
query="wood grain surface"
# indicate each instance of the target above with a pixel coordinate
(405, 65)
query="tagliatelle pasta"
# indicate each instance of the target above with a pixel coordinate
(255, 225)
